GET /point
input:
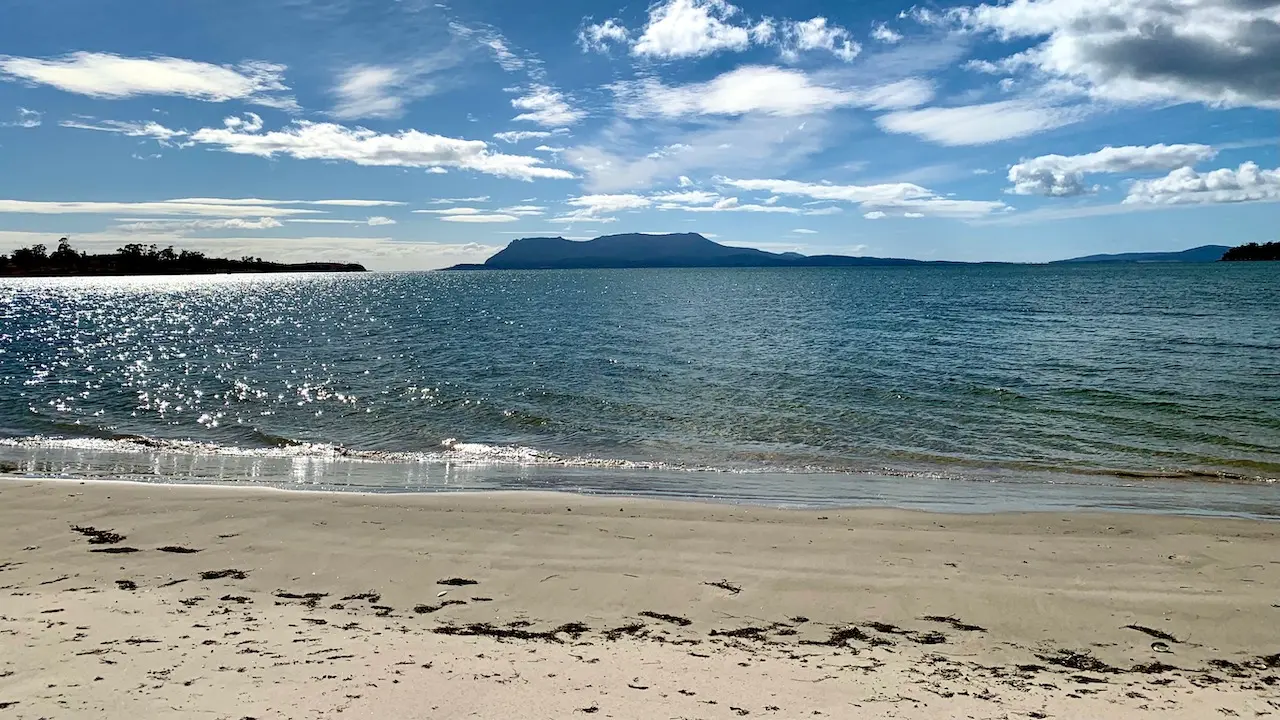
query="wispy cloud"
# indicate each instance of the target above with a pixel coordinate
(110, 76)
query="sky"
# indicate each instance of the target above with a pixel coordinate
(405, 135)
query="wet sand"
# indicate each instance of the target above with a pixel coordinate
(134, 601)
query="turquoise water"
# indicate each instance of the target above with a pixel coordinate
(1020, 374)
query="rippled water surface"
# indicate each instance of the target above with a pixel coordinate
(976, 372)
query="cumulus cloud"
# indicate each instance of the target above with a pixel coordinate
(110, 76)
(1064, 175)
(875, 215)
(546, 106)
(680, 29)
(306, 140)
(1216, 52)
(379, 220)
(599, 36)
(760, 89)
(885, 34)
(818, 34)
(980, 124)
(884, 198)
(1185, 186)
(690, 28)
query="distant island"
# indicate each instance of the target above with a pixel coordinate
(1254, 251)
(134, 259)
(1204, 253)
(638, 250)
(691, 250)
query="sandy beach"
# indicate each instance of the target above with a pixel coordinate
(136, 601)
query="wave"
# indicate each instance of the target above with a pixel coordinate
(454, 452)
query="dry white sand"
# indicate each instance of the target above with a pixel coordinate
(601, 607)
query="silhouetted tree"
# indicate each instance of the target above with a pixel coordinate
(1254, 251)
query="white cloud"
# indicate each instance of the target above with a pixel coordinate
(679, 29)
(805, 231)
(912, 215)
(875, 215)
(619, 160)
(816, 34)
(454, 201)
(1063, 175)
(597, 204)
(760, 89)
(153, 130)
(900, 197)
(190, 206)
(26, 119)
(689, 197)
(523, 210)
(436, 171)
(341, 202)
(379, 220)
(369, 91)
(1185, 186)
(452, 211)
(305, 140)
(885, 34)
(549, 149)
(1217, 52)
(980, 124)
(110, 76)
(690, 28)
(515, 136)
(599, 37)
(546, 106)
(182, 226)
(499, 218)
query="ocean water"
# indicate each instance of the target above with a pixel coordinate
(996, 386)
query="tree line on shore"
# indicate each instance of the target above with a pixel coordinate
(137, 259)
(1254, 251)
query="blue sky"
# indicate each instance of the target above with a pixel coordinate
(411, 134)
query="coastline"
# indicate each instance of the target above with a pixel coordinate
(766, 592)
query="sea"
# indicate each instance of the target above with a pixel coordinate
(1150, 388)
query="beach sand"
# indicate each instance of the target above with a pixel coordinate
(248, 603)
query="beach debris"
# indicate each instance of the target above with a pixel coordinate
(309, 600)
(955, 623)
(631, 630)
(442, 593)
(220, 574)
(932, 637)
(457, 582)
(799, 619)
(673, 619)
(574, 630)
(588, 710)
(114, 550)
(371, 596)
(98, 537)
(171, 583)
(126, 585)
(725, 585)
(427, 609)
(840, 637)
(382, 610)
(746, 633)
(1160, 647)
(1159, 634)
(191, 601)
(1078, 661)
(178, 549)
(235, 599)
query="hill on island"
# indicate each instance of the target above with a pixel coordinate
(1204, 253)
(1254, 251)
(639, 250)
(37, 261)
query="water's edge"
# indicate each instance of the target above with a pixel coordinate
(484, 469)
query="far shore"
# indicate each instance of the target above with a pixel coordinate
(123, 600)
